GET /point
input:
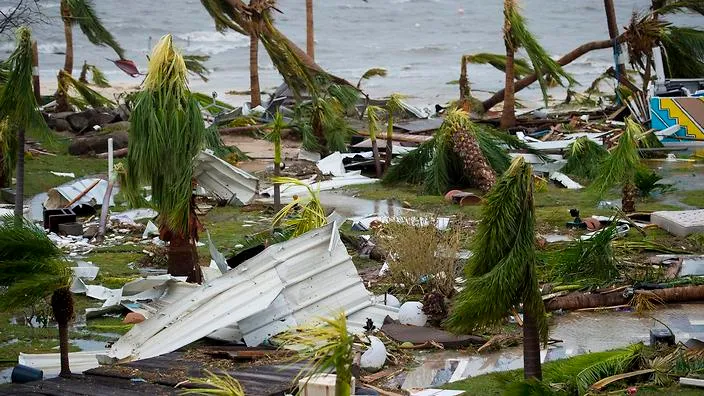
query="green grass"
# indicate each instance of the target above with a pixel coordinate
(108, 324)
(114, 267)
(39, 179)
(693, 198)
(228, 224)
(558, 371)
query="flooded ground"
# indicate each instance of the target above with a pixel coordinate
(350, 207)
(581, 332)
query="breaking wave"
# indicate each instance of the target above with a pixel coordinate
(211, 42)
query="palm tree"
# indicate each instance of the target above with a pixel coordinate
(620, 168)
(310, 33)
(274, 136)
(394, 106)
(33, 268)
(166, 134)
(516, 36)
(502, 274)
(19, 112)
(373, 122)
(81, 12)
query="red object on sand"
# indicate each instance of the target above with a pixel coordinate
(127, 66)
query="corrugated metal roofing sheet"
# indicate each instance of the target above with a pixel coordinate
(286, 285)
(223, 180)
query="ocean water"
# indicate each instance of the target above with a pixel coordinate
(420, 42)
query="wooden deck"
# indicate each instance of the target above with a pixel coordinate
(159, 376)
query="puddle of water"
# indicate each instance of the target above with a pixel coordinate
(88, 345)
(5, 375)
(684, 176)
(348, 206)
(581, 332)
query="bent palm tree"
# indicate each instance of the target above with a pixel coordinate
(81, 12)
(33, 269)
(516, 36)
(503, 274)
(166, 134)
(373, 124)
(621, 166)
(19, 113)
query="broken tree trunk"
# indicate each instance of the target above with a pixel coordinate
(570, 57)
(593, 300)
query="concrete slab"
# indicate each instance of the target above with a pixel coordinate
(680, 223)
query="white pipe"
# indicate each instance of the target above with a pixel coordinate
(110, 160)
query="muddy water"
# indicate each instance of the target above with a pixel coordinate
(683, 175)
(581, 332)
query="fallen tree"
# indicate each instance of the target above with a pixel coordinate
(566, 59)
(594, 300)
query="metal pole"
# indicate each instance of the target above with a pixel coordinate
(613, 34)
(110, 159)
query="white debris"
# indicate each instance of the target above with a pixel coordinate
(223, 180)
(565, 180)
(149, 230)
(374, 357)
(64, 174)
(411, 313)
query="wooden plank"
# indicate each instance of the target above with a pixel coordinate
(699, 383)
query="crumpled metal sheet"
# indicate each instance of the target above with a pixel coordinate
(59, 197)
(224, 181)
(286, 285)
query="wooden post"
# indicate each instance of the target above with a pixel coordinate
(277, 187)
(35, 72)
(310, 31)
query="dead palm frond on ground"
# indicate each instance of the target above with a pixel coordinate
(584, 157)
(302, 214)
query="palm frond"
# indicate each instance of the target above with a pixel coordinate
(545, 67)
(584, 158)
(372, 113)
(412, 166)
(298, 215)
(86, 95)
(522, 67)
(97, 75)
(274, 136)
(502, 274)
(621, 165)
(684, 51)
(17, 102)
(373, 72)
(678, 6)
(213, 384)
(589, 262)
(326, 345)
(83, 13)
(166, 134)
(614, 365)
(194, 64)
(32, 266)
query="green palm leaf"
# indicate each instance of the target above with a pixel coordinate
(166, 134)
(522, 68)
(83, 14)
(502, 274)
(545, 67)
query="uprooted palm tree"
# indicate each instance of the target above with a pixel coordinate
(460, 154)
(621, 166)
(81, 12)
(33, 269)
(516, 36)
(166, 134)
(19, 114)
(501, 275)
(330, 96)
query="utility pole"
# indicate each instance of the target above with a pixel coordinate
(310, 32)
(613, 34)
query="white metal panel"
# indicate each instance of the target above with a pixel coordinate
(59, 196)
(223, 180)
(51, 365)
